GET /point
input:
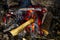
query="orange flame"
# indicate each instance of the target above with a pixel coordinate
(32, 27)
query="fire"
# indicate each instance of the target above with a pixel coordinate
(33, 27)
(4, 19)
(39, 22)
(28, 14)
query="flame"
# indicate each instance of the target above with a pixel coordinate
(32, 27)
(39, 22)
(30, 11)
(28, 14)
(4, 19)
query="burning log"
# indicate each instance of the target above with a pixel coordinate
(16, 31)
(45, 32)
